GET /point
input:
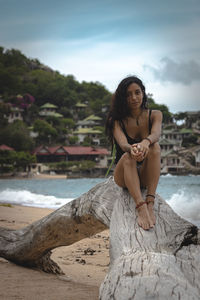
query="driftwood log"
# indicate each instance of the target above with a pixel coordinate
(162, 263)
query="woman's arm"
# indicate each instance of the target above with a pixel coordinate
(153, 137)
(121, 138)
(123, 143)
(156, 119)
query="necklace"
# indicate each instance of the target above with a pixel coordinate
(137, 118)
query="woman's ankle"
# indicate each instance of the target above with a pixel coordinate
(150, 199)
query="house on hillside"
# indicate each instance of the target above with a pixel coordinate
(15, 114)
(80, 106)
(171, 163)
(94, 118)
(167, 145)
(46, 154)
(185, 132)
(105, 108)
(173, 136)
(82, 133)
(85, 124)
(49, 110)
(176, 136)
(85, 128)
(89, 122)
(170, 143)
(78, 110)
(193, 153)
(192, 119)
(196, 153)
(6, 148)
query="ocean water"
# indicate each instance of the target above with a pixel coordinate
(181, 192)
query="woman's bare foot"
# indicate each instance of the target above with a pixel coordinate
(144, 219)
(150, 205)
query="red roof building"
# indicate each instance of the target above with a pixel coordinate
(4, 147)
(46, 154)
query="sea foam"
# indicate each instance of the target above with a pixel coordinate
(27, 198)
(186, 205)
(183, 202)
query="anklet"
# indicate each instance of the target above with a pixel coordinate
(150, 200)
(149, 195)
(140, 204)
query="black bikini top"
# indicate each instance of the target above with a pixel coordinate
(119, 151)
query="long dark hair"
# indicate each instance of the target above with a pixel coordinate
(119, 109)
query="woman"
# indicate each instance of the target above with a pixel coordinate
(135, 131)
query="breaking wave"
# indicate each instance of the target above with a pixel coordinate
(186, 205)
(27, 198)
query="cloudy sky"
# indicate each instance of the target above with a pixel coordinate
(107, 40)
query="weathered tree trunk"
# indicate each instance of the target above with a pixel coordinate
(161, 263)
(81, 218)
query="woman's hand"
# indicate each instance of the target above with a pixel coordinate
(140, 150)
(135, 153)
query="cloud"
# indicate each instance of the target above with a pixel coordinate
(180, 72)
(176, 96)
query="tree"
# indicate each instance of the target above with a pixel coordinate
(167, 116)
(24, 159)
(53, 121)
(31, 114)
(65, 111)
(190, 141)
(13, 65)
(10, 83)
(162, 263)
(7, 160)
(46, 132)
(69, 123)
(14, 57)
(180, 116)
(88, 141)
(16, 135)
(12, 160)
(4, 113)
(86, 165)
(73, 139)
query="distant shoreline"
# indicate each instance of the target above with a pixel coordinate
(48, 176)
(35, 176)
(75, 176)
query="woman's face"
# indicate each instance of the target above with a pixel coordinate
(134, 96)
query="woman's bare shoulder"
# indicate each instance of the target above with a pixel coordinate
(156, 116)
(117, 124)
(156, 113)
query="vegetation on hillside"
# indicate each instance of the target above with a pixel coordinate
(28, 84)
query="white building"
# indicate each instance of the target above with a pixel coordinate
(82, 133)
(15, 114)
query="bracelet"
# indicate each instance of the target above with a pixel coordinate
(148, 139)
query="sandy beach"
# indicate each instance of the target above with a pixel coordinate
(83, 272)
(35, 176)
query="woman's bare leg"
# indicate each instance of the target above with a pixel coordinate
(150, 174)
(126, 175)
